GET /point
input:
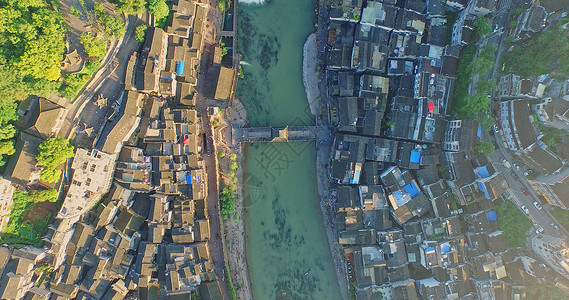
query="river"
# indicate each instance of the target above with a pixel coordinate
(286, 244)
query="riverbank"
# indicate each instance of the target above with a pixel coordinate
(310, 73)
(324, 143)
(233, 227)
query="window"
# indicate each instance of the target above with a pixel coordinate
(88, 182)
(93, 168)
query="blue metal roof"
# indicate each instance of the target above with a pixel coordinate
(445, 248)
(188, 179)
(492, 216)
(180, 68)
(483, 188)
(483, 172)
(415, 156)
(411, 189)
(479, 131)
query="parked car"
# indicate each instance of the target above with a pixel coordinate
(554, 226)
(525, 209)
(538, 230)
(495, 127)
(526, 173)
(537, 205)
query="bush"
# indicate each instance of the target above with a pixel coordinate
(43, 196)
(561, 216)
(482, 26)
(226, 202)
(538, 55)
(19, 232)
(53, 152)
(485, 146)
(140, 32)
(222, 5)
(75, 12)
(107, 24)
(49, 174)
(158, 8)
(545, 291)
(513, 223)
(94, 46)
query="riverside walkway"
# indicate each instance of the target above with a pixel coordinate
(273, 134)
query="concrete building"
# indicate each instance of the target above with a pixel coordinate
(92, 175)
(554, 250)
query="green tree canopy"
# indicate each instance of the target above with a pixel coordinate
(53, 152)
(32, 37)
(50, 174)
(482, 26)
(131, 7)
(158, 8)
(140, 32)
(94, 46)
(227, 202)
(43, 196)
(107, 24)
(485, 146)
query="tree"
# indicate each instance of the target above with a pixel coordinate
(485, 146)
(94, 46)
(43, 196)
(107, 24)
(53, 152)
(140, 32)
(482, 26)
(222, 5)
(6, 147)
(221, 154)
(158, 8)
(32, 38)
(75, 12)
(513, 24)
(50, 174)
(131, 7)
(226, 202)
(233, 157)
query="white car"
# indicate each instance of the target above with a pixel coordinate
(525, 209)
(537, 205)
(538, 230)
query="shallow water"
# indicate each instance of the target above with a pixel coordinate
(287, 248)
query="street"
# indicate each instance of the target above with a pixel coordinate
(518, 183)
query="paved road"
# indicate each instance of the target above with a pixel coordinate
(215, 242)
(518, 183)
(111, 85)
(514, 177)
(109, 70)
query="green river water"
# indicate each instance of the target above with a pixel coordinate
(287, 249)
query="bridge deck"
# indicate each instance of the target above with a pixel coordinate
(273, 134)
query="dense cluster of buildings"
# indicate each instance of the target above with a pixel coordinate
(414, 201)
(133, 222)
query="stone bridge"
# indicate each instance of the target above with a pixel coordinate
(273, 134)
